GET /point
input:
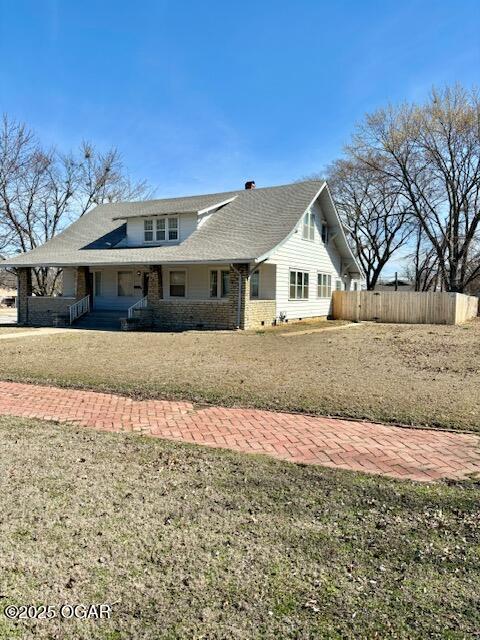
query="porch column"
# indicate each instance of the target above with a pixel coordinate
(155, 284)
(239, 294)
(82, 284)
(24, 291)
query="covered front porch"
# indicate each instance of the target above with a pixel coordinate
(164, 297)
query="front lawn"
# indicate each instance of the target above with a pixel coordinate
(423, 374)
(190, 542)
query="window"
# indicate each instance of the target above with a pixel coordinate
(324, 285)
(213, 284)
(125, 283)
(255, 285)
(355, 286)
(219, 284)
(338, 285)
(225, 284)
(298, 285)
(324, 233)
(177, 284)
(160, 230)
(97, 283)
(309, 225)
(148, 230)
(173, 228)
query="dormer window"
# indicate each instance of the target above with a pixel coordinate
(309, 225)
(173, 228)
(160, 230)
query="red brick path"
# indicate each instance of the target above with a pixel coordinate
(361, 446)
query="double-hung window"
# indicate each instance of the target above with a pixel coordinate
(178, 281)
(173, 228)
(160, 229)
(148, 230)
(160, 226)
(324, 285)
(298, 285)
(309, 225)
(219, 283)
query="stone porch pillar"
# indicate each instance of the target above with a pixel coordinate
(82, 282)
(239, 294)
(24, 291)
(155, 284)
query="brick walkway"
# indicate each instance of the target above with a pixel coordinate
(362, 446)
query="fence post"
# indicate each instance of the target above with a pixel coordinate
(357, 305)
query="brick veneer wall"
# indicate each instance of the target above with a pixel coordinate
(44, 311)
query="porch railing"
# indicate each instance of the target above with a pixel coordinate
(79, 309)
(141, 304)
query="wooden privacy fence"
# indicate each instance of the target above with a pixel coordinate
(411, 307)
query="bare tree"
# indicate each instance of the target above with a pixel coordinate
(432, 152)
(422, 263)
(375, 212)
(43, 190)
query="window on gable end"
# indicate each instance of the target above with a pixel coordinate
(324, 233)
(309, 225)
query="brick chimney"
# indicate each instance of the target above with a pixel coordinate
(250, 184)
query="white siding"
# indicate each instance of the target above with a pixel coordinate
(198, 279)
(305, 255)
(266, 281)
(109, 298)
(187, 223)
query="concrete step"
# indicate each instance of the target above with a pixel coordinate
(107, 320)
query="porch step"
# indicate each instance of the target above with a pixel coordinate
(101, 320)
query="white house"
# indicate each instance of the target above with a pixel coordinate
(239, 259)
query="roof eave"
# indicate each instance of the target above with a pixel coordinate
(120, 263)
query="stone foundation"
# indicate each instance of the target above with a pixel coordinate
(189, 314)
(259, 313)
(48, 312)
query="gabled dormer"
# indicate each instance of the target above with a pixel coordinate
(171, 224)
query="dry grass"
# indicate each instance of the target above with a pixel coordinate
(422, 374)
(198, 543)
(8, 330)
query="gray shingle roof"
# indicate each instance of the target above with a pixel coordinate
(249, 227)
(188, 204)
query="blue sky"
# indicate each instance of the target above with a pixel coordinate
(201, 96)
